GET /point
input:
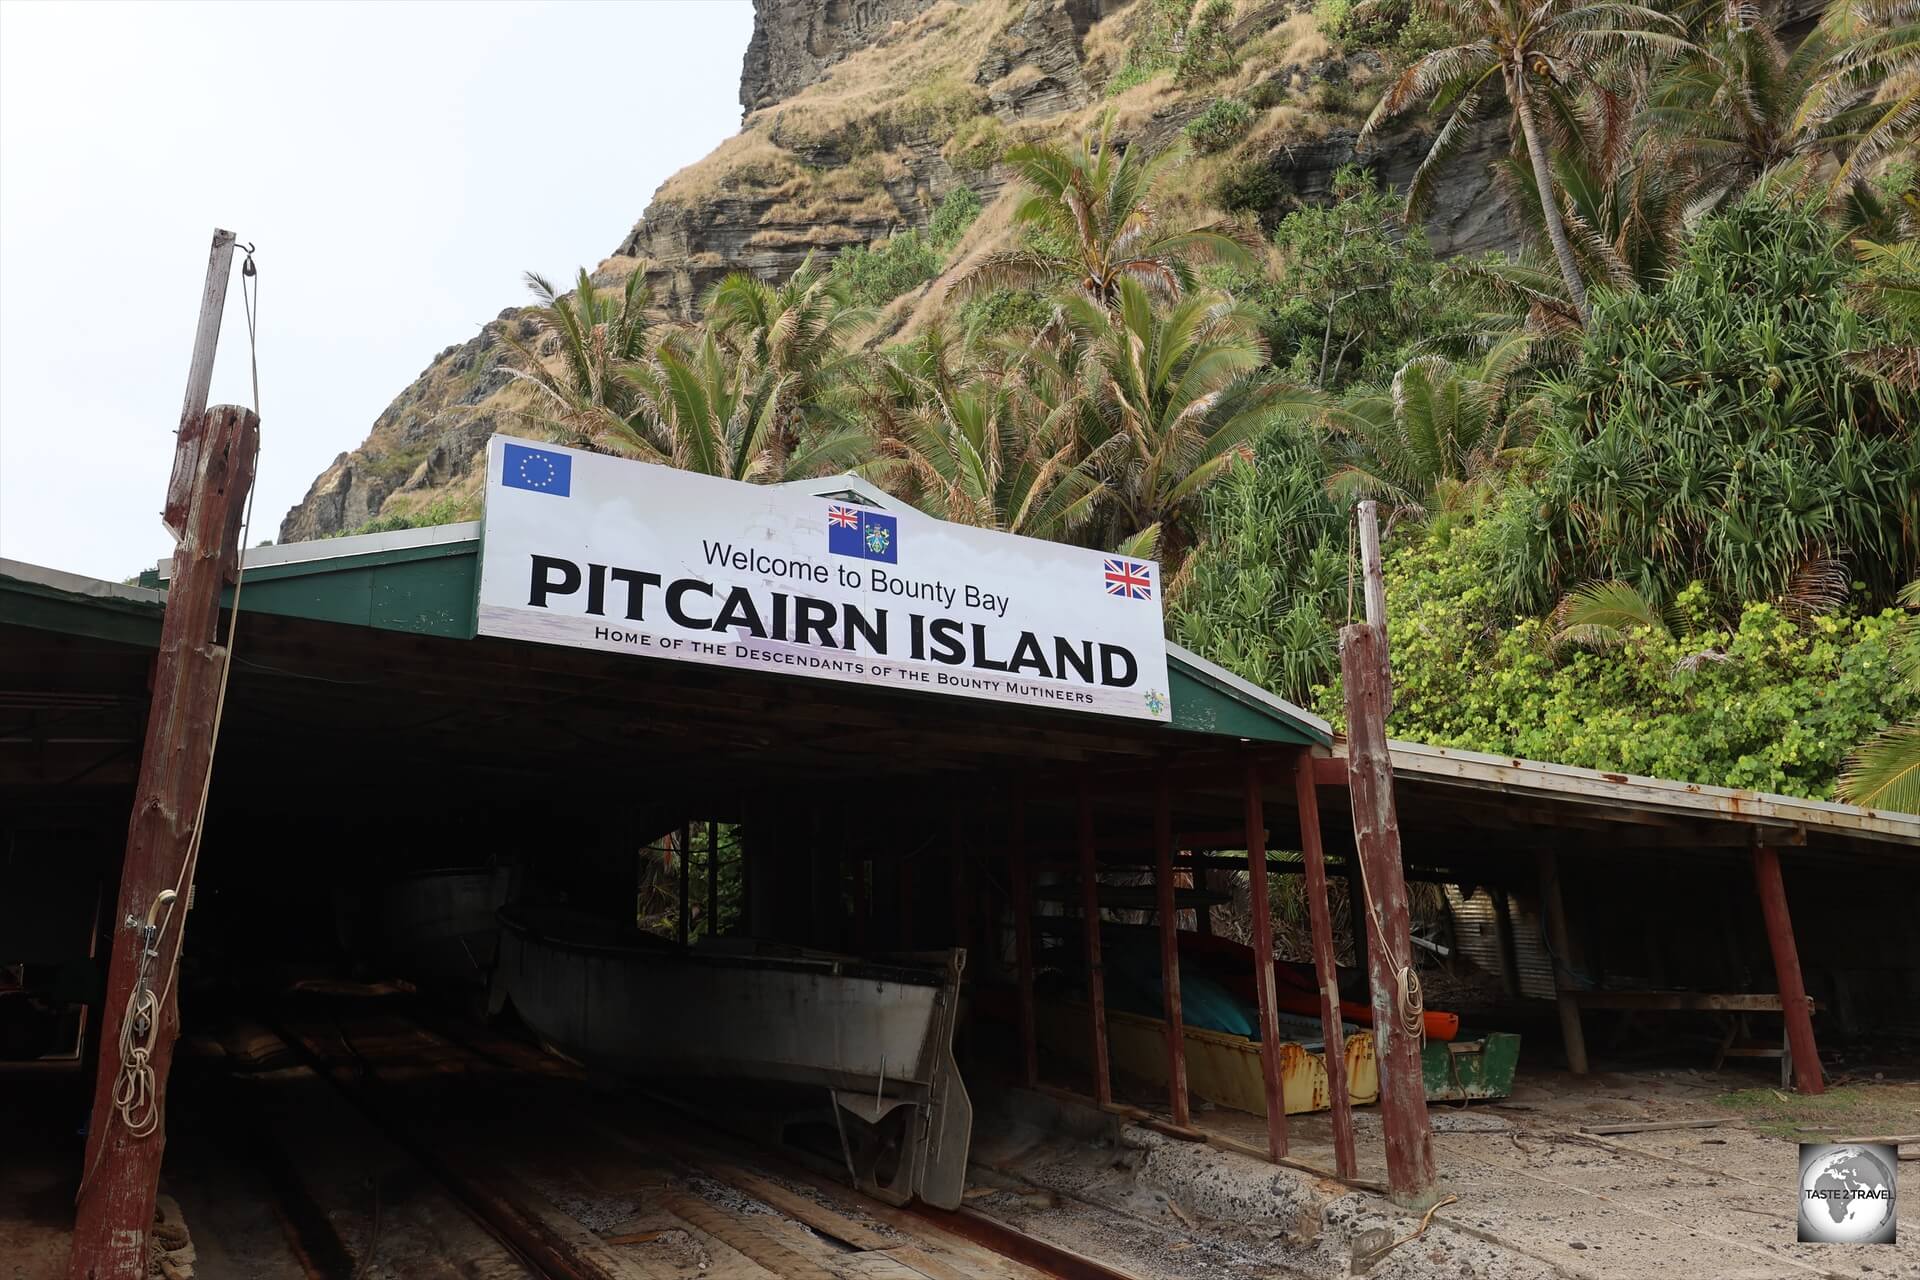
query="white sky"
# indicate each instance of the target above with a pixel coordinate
(397, 167)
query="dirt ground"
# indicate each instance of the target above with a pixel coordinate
(1714, 1203)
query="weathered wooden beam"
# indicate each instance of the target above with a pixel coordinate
(121, 1170)
(1320, 921)
(1262, 910)
(1090, 917)
(1023, 942)
(1807, 1077)
(1376, 829)
(1169, 921)
(1560, 942)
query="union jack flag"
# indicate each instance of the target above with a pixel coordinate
(1128, 579)
(845, 517)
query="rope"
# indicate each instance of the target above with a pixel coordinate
(136, 1095)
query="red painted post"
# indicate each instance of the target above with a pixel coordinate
(1169, 948)
(1262, 906)
(121, 1170)
(1090, 926)
(1325, 968)
(1786, 967)
(1376, 837)
(1023, 944)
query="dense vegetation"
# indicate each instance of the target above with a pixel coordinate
(1653, 484)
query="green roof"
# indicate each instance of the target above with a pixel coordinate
(423, 582)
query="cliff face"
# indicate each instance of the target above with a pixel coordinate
(860, 116)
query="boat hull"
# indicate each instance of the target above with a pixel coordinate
(877, 1037)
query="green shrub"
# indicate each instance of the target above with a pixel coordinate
(1208, 52)
(874, 275)
(1332, 16)
(951, 220)
(446, 509)
(1223, 123)
(1763, 703)
(1159, 28)
(977, 145)
(1249, 185)
(1006, 311)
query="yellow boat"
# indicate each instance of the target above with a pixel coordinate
(1223, 1069)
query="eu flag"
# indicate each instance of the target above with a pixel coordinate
(537, 469)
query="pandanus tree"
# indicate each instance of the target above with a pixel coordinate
(1090, 223)
(1172, 395)
(1521, 51)
(574, 362)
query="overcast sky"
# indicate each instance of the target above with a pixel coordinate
(398, 166)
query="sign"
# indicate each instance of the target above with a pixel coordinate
(605, 553)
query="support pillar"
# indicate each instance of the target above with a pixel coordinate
(684, 856)
(1376, 838)
(1553, 907)
(120, 1173)
(1509, 953)
(1022, 876)
(1786, 967)
(962, 914)
(1169, 947)
(1090, 926)
(1262, 906)
(1320, 920)
(713, 878)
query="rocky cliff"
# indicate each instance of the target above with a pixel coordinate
(860, 116)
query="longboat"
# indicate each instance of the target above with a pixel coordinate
(877, 1036)
(441, 925)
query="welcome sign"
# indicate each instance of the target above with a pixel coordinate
(605, 553)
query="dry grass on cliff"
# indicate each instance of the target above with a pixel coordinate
(911, 312)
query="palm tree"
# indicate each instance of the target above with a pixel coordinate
(1869, 87)
(574, 363)
(993, 454)
(700, 408)
(1525, 51)
(1427, 440)
(1172, 396)
(801, 329)
(1884, 772)
(1090, 223)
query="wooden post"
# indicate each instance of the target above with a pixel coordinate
(1357, 922)
(1553, 906)
(904, 919)
(1786, 966)
(120, 1175)
(1023, 943)
(1169, 947)
(713, 878)
(1376, 837)
(1202, 911)
(1509, 952)
(685, 930)
(1320, 919)
(1262, 908)
(189, 435)
(962, 913)
(1090, 926)
(1373, 576)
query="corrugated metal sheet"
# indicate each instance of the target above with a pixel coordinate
(1476, 932)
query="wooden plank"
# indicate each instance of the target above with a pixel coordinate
(1807, 1076)
(1169, 921)
(798, 1207)
(1326, 971)
(1263, 976)
(1679, 1001)
(188, 457)
(1376, 829)
(120, 1175)
(1655, 1126)
(1090, 927)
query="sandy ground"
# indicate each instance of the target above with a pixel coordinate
(1714, 1203)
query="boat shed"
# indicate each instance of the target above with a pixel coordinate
(369, 731)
